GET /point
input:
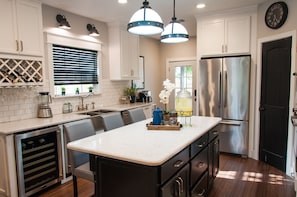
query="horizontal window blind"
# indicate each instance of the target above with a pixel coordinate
(74, 66)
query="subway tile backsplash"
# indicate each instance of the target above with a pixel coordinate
(22, 103)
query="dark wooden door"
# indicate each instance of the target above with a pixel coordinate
(274, 104)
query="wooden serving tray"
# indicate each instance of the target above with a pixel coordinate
(176, 127)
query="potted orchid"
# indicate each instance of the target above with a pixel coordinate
(165, 94)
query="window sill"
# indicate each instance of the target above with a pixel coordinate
(77, 95)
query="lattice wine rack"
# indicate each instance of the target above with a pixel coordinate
(17, 72)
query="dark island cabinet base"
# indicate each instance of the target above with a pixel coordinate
(190, 173)
(116, 178)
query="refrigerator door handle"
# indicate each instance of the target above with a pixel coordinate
(225, 89)
(219, 89)
(231, 122)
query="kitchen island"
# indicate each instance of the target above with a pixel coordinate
(133, 161)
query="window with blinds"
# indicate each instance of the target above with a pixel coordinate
(74, 66)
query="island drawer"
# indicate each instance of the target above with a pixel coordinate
(199, 145)
(199, 165)
(200, 188)
(174, 164)
(213, 133)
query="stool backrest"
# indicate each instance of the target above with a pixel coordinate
(75, 131)
(111, 120)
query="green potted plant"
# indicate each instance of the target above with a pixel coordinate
(90, 88)
(131, 92)
(77, 90)
(63, 91)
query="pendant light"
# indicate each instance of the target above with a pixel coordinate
(145, 21)
(174, 32)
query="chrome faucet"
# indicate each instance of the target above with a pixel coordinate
(82, 107)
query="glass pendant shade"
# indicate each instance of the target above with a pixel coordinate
(174, 32)
(145, 21)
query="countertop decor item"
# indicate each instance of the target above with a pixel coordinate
(165, 93)
(131, 92)
(175, 127)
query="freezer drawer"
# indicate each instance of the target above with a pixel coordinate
(234, 137)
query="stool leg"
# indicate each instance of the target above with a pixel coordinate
(74, 186)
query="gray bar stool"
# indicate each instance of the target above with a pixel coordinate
(136, 114)
(111, 120)
(79, 161)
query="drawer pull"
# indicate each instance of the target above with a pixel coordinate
(181, 184)
(180, 187)
(178, 164)
(201, 145)
(202, 193)
(200, 165)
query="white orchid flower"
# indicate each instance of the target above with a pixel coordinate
(165, 94)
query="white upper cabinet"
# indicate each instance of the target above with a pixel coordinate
(21, 27)
(123, 54)
(230, 35)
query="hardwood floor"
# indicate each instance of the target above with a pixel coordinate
(247, 177)
(85, 189)
(238, 177)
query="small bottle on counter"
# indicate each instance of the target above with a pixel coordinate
(173, 118)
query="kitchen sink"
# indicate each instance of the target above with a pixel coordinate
(96, 112)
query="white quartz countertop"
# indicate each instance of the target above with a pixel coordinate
(119, 107)
(8, 128)
(134, 143)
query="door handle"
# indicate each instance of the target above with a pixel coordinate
(234, 123)
(220, 88)
(225, 89)
(261, 108)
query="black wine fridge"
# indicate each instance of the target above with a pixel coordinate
(38, 157)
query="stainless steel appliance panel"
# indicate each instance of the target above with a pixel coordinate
(235, 91)
(38, 157)
(210, 81)
(234, 137)
(224, 92)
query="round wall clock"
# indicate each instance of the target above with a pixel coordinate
(276, 15)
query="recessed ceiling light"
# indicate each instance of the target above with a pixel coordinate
(122, 1)
(200, 5)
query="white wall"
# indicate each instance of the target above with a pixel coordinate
(150, 49)
(156, 56)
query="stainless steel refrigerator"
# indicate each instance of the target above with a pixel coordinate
(224, 92)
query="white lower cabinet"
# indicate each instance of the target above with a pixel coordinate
(8, 180)
(3, 169)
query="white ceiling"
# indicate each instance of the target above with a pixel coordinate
(112, 11)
